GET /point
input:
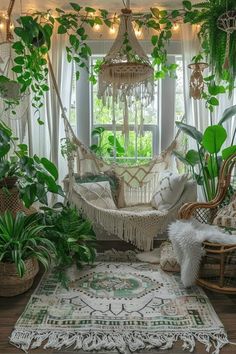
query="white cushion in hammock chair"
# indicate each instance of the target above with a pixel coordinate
(97, 193)
(171, 187)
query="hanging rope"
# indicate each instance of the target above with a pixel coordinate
(9, 35)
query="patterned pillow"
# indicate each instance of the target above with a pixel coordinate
(116, 184)
(171, 186)
(226, 216)
(97, 193)
(168, 260)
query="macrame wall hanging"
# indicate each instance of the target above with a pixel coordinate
(126, 75)
(196, 80)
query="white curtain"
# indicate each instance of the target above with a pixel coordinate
(195, 110)
(45, 140)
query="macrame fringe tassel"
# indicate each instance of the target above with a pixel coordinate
(134, 341)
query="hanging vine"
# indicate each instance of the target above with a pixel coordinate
(34, 35)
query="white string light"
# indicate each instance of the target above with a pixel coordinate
(175, 26)
(97, 27)
(112, 29)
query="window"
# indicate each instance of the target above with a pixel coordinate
(145, 140)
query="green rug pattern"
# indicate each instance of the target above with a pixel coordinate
(118, 306)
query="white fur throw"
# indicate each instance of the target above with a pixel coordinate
(187, 237)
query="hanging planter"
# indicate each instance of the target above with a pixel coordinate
(196, 80)
(126, 74)
(217, 36)
(227, 23)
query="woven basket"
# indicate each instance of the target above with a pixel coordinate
(10, 200)
(11, 283)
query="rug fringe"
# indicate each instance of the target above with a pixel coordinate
(134, 341)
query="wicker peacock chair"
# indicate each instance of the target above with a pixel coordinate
(218, 267)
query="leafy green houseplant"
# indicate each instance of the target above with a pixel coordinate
(34, 34)
(109, 145)
(22, 246)
(205, 162)
(34, 176)
(72, 236)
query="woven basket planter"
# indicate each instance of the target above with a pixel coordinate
(10, 200)
(11, 283)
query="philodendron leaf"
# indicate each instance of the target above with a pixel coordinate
(213, 138)
(190, 130)
(98, 131)
(181, 158)
(227, 114)
(50, 167)
(192, 157)
(229, 151)
(212, 166)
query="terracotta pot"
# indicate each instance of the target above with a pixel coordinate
(11, 283)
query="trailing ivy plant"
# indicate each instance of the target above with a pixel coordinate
(213, 39)
(34, 34)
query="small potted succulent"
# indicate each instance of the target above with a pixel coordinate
(22, 245)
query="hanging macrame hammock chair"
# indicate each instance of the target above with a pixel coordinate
(134, 220)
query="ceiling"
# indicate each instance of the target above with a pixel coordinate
(110, 5)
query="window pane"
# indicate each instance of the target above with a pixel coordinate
(139, 147)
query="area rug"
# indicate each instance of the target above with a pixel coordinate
(126, 307)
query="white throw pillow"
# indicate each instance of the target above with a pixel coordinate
(171, 187)
(96, 193)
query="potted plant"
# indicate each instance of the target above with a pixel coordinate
(204, 163)
(72, 236)
(22, 246)
(32, 177)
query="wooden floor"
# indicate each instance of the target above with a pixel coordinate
(11, 309)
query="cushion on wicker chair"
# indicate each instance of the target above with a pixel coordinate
(226, 216)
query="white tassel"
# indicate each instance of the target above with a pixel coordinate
(134, 341)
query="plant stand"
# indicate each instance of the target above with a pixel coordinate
(218, 268)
